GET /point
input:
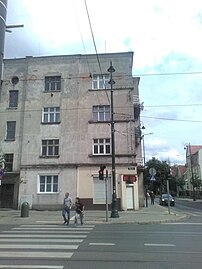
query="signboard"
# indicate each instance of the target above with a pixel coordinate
(129, 178)
(152, 171)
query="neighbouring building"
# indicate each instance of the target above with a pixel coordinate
(55, 131)
(193, 174)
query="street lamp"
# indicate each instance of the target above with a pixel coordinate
(143, 146)
(114, 205)
(144, 161)
(4, 28)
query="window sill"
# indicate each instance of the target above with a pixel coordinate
(49, 157)
(12, 108)
(9, 140)
(48, 193)
(50, 123)
(51, 91)
(91, 121)
(99, 155)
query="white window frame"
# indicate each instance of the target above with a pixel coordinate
(51, 148)
(51, 115)
(101, 146)
(52, 83)
(48, 184)
(100, 81)
(101, 113)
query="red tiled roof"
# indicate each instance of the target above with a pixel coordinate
(194, 149)
(178, 170)
(182, 169)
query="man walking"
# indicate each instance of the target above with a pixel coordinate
(67, 204)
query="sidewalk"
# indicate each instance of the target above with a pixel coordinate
(151, 214)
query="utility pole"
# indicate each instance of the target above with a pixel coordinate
(3, 13)
(192, 173)
(3, 29)
(114, 205)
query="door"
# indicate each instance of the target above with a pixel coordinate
(7, 192)
(129, 197)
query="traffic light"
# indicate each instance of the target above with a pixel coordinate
(101, 172)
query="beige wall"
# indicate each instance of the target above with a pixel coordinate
(76, 164)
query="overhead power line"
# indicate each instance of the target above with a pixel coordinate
(170, 119)
(169, 74)
(182, 105)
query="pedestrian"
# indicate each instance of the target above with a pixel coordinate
(67, 204)
(152, 196)
(79, 210)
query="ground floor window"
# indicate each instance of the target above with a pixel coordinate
(99, 191)
(48, 184)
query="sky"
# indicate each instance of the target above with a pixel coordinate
(166, 38)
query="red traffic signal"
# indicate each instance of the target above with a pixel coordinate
(101, 175)
(101, 172)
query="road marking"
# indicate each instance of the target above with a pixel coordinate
(52, 225)
(182, 223)
(51, 228)
(63, 236)
(101, 244)
(159, 245)
(46, 240)
(23, 266)
(25, 254)
(44, 231)
(25, 246)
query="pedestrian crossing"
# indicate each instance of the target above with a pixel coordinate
(41, 241)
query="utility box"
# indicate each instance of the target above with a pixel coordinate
(25, 210)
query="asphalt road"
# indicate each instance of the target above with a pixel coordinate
(157, 246)
(113, 246)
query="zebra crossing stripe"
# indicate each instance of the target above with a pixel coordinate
(44, 231)
(57, 226)
(46, 240)
(24, 266)
(51, 228)
(62, 236)
(26, 246)
(25, 254)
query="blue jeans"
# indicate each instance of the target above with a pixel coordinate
(78, 215)
(66, 214)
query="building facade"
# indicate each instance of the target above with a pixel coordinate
(192, 176)
(55, 131)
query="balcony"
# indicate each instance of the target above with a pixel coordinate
(138, 107)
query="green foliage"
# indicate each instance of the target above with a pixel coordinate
(162, 173)
(196, 181)
(180, 181)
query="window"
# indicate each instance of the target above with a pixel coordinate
(51, 114)
(13, 99)
(53, 83)
(11, 125)
(50, 147)
(8, 162)
(48, 184)
(101, 146)
(100, 81)
(101, 113)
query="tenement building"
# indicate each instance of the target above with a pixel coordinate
(55, 131)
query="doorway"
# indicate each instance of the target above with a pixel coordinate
(7, 193)
(130, 197)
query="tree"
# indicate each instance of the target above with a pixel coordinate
(180, 181)
(162, 172)
(196, 181)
